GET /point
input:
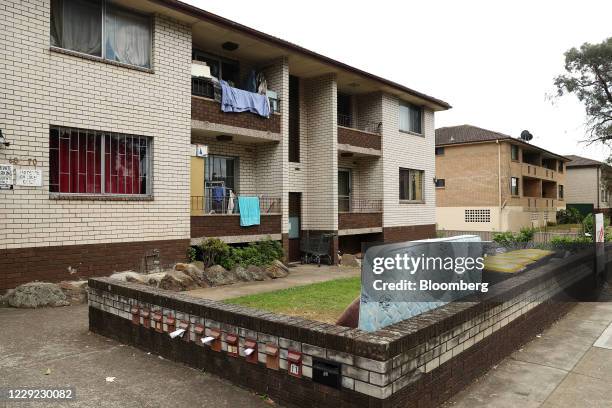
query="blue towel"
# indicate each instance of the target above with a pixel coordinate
(237, 100)
(249, 211)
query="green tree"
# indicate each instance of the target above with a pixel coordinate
(589, 77)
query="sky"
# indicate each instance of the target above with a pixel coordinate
(493, 61)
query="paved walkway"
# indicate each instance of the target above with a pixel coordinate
(298, 276)
(569, 365)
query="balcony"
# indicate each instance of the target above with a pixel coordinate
(220, 217)
(363, 138)
(207, 116)
(534, 203)
(359, 216)
(539, 172)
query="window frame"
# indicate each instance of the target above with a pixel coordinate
(421, 115)
(439, 149)
(561, 192)
(443, 184)
(515, 148)
(408, 200)
(102, 56)
(103, 195)
(518, 187)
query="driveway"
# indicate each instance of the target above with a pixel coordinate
(57, 341)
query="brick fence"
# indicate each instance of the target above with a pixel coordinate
(209, 110)
(359, 138)
(229, 225)
(419, 362)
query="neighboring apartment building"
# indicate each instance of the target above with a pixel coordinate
(102, 115)
(488, 181)
(587, 185)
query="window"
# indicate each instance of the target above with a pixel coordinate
(514, 186)
(221, 170)
(479, 215)
(410, 117)
(439, 151)
(94, 162)
(560, 168)
(440, 183)
(220, 68)
(344, 109)
(102, 29)
(560, 192)
(411, 184)
(514, 152)
(294, 119)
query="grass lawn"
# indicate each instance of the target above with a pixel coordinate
(323, 301)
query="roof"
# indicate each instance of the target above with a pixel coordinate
(578, 161)
(205, 15)
(464, 134)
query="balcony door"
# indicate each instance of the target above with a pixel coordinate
(344, 190)
(295, 226)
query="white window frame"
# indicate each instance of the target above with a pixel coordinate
(421, 114)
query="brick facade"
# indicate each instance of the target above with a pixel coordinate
(359, 220)
(208, 110)
(229, 225)
(359, 138)
(409, 233)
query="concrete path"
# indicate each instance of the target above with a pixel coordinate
(34, 341)
(569, 365)
(298, 276)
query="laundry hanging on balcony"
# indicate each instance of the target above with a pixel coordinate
(237, 100)
(249, 211)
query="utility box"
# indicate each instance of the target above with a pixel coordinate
(327, 373)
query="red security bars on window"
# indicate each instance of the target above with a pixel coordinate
(94, 162)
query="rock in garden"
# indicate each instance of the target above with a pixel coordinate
(37, 294)
(129, 276)
(218, 276)
(177, 281)
(242, 274)
(277, 270)
(349, 260)
(256, 273)
(195, 273)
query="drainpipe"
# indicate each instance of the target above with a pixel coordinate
(499, 185)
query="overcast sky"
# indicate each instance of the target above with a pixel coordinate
(493, 62)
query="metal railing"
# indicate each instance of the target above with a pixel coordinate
(366, 126)
(357, 205)
(207, 88)
(226, 204)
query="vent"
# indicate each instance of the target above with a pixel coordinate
(480, 215)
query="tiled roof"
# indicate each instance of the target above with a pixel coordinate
(577, 161)
(466, 134)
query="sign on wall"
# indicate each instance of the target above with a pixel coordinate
(6, 176)
(29, 177)
(200, 150)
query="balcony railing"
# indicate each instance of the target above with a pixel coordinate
(356, 205)
(208, 88)
(366, 126)
(227, 204)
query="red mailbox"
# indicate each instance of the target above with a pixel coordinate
(135, 316)
(214, 339)
(198, 330)
(232, 345)
(158, 323)
(272, 357)
(145, 314)
(294, 363)
(170, 323)
(183, 324)
(250, 351)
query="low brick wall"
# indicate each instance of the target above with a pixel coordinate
(209, 110)
(419, 362)
(229, 225)
(355, 220)
(359, 138)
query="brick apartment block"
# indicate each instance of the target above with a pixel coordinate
(588, 187)
(112, 120)
(488, 181)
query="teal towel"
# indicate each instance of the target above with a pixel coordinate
(249, 211)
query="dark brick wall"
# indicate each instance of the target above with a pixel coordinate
(359, 220)
(55, 263)
(210, 111)
(358, 138)
(228, 225)
(351, 244)
(409, 232)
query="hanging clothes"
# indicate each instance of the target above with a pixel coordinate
(249, 211)
(237, 100)
(230, 202)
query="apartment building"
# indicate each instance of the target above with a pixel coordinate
(587, 185)
(117, 146)
(488, 181)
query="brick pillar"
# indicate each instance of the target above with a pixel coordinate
(285, 243)
(334, 249)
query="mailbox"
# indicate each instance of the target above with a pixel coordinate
(294, 363)
(184, 324)
(170, 323)
(213, 339)
(326, 373)
(232, 345)
(135, 316)
(250, 351)
(198, 330)
(158, 323)
(145, 314)
(272, 357)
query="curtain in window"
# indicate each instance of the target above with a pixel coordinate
(77, 25)
(128, 37)
(416, 190)
(404, 118)
(404, 181)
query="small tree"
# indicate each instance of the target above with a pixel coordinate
(589, 77)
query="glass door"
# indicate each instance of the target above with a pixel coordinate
(344, 190)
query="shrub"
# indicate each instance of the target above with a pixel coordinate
(570, 242)
(504, 238)
(509, 239)
(192, 254)
(214, 251)
(588, 224)
(525, 235)
(569, 216)
(259, 253)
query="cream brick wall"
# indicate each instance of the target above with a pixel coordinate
(39, 88)
(410, 151)
(581, 186)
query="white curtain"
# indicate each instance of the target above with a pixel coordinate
(128, 37)
(77, 25)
